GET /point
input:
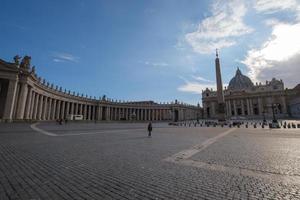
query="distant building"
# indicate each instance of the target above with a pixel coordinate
(245, 100)
(25, 96)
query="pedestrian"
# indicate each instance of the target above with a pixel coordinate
(149, 129)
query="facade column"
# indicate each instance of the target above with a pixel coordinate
(45, 109)
(58, 109)
(80, 109)
(40, 108)
(142, 115)
(243, 106)
(84, 112)
(37, 100)
(49, 109)
(28, 104)
(251, 106)
(10, 100)
(67, 108)
(234, 108)
(284, 109)
(248, 107)
(107, 113)
(72, 108)
(22, 101)
(54, 109)
(89, 112)
(152, 116)
(149, 114)
(260, 106)
(99, 112)
(119, 114)
(76, 109)
(94, 112)
(32, 105)
(63, 110)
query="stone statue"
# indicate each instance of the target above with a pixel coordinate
(16, 59)
(33, 70)
(25, 64)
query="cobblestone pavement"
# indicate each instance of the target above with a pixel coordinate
(118, 161)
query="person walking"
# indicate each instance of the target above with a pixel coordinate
(149, 129)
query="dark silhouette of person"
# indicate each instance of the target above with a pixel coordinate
(149, 129)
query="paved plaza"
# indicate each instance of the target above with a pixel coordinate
(118, 161)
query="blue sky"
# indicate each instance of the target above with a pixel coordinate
(157, 50)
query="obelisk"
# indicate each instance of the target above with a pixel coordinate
(220, 95)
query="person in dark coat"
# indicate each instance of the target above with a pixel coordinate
(149, 129)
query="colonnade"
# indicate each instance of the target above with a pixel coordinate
(35, 103)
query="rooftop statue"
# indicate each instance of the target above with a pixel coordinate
(16, 59)
(25, 64)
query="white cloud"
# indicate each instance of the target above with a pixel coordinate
(156, 64)
(64, 57)
(220, 29)
(199, 78)
(195, 87)
(271, 6)
(280, 54)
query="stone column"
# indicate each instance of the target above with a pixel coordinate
(63, 110)
(67, 108)
(142, 115)
(45, 109)
(153, 114)
(84, 112)
(53, 110)
(76, 109)
(37, 100)
(284, 109)
(28, 104)
(119, 114)
(32, 105)
(80, 109)
(94, 112)
(89, 112)
(251, 106)
(260, 106)
(248, 106)
(234, 108)
(72, 108)
(58, 109)
(10, 100)
(40, 107)
(22, 101)
(49, 109)
(99, 113)
(243, 106)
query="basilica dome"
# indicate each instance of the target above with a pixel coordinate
(240, 81)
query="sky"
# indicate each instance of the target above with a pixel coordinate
(158, 50)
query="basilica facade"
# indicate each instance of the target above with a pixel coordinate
(25, 96)
(246, 100)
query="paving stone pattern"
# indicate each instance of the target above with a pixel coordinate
(129, 165)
